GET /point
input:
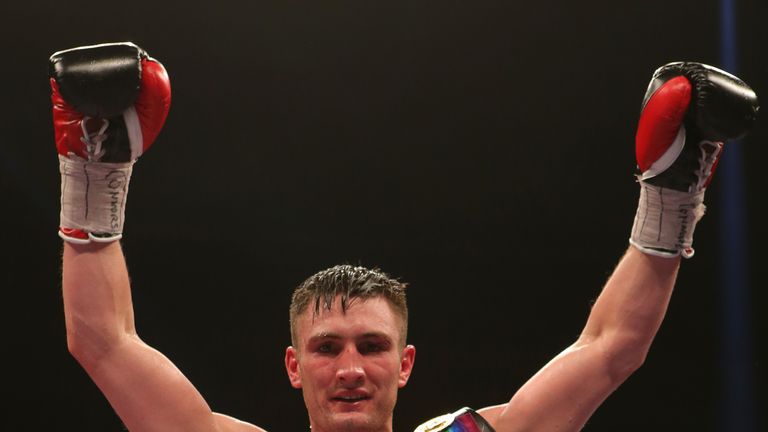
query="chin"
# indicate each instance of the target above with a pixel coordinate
(355, 421)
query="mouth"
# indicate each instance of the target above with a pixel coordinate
(351, 399)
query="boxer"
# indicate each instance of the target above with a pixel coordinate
(349, 354)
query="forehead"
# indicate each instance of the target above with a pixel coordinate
(363, 316)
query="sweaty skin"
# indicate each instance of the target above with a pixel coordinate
(355, 356)
(350, 365)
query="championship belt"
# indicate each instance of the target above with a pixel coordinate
(463, 420)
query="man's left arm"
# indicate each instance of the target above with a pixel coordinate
(689, 110)
(623, 322)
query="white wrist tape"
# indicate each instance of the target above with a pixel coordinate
(93, 194)
(665, 221)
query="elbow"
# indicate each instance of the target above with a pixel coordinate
(623, 366)
(624, 354)
(89, 343)
(79, 347)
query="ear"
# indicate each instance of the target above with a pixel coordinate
(292, 366)
(406, 365)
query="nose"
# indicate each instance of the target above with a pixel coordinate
(349, 368)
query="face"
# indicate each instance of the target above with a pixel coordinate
(350, 365)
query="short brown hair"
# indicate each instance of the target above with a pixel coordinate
(348, 282)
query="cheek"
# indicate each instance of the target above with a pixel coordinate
(317, 372)
(384, 369)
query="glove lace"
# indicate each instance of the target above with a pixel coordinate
(710, 152)
(94, 140)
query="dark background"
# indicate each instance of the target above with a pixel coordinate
(480, 150)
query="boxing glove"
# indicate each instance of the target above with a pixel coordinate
(688, 111)
(110, 102)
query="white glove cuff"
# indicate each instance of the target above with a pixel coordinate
(665, 221)
(93, 195)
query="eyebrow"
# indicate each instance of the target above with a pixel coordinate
(336, 336)
(324, 335)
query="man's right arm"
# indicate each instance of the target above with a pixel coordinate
(146, 390)
(109, 103)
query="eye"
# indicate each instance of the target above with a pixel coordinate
(326, 347)
(371, 347)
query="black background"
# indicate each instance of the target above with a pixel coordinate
(480, 150)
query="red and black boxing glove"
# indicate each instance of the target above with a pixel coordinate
(110, 102)
(688, 111)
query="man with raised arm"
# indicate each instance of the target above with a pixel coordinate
(349, 354)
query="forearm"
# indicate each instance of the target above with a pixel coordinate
(629, 311)
(97, 299)
(625, 318)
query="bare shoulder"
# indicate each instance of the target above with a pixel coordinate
(231, 424)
